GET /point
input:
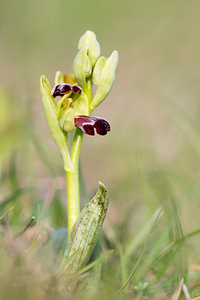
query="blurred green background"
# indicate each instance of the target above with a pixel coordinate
(152, 153)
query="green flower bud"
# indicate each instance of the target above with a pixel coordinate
(82, 67)
(104, 76)
(65, 114)
(81, 105)
(89, 39)
(66, 120)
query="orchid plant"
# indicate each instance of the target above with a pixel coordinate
(72, 115)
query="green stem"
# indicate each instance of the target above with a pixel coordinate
(73, 202)
(72, 178)
(88, 89)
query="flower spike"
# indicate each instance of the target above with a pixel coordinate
(89, 124)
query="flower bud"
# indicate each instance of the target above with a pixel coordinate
(82, 67)
(89, 39)
(104, 77)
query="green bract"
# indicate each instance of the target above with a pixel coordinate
(50, 108)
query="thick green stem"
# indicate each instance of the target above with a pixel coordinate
(73, 201)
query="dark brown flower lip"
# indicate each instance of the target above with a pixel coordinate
(89, 124)
(64, 88)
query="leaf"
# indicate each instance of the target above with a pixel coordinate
(85, 232)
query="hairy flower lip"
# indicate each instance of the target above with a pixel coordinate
(89, 124)
(64, 88)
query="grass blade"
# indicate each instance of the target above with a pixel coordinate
(131, 276)
(92, 264)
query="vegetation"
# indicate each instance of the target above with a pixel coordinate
(149, 161)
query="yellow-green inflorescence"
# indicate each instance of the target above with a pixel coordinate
(88, 67)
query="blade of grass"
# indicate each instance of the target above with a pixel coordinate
(139, 238)
(6, 213)
(178, 290)
(154, 251)
(92, 264)
(70, 260)
(173, 254)
(181, 258)
(131, 276)
(186, 292)
(114, 238)
(167, 252)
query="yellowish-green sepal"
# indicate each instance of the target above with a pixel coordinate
(59, 78)
(106, 80)
(98, 70)
(50, 108)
